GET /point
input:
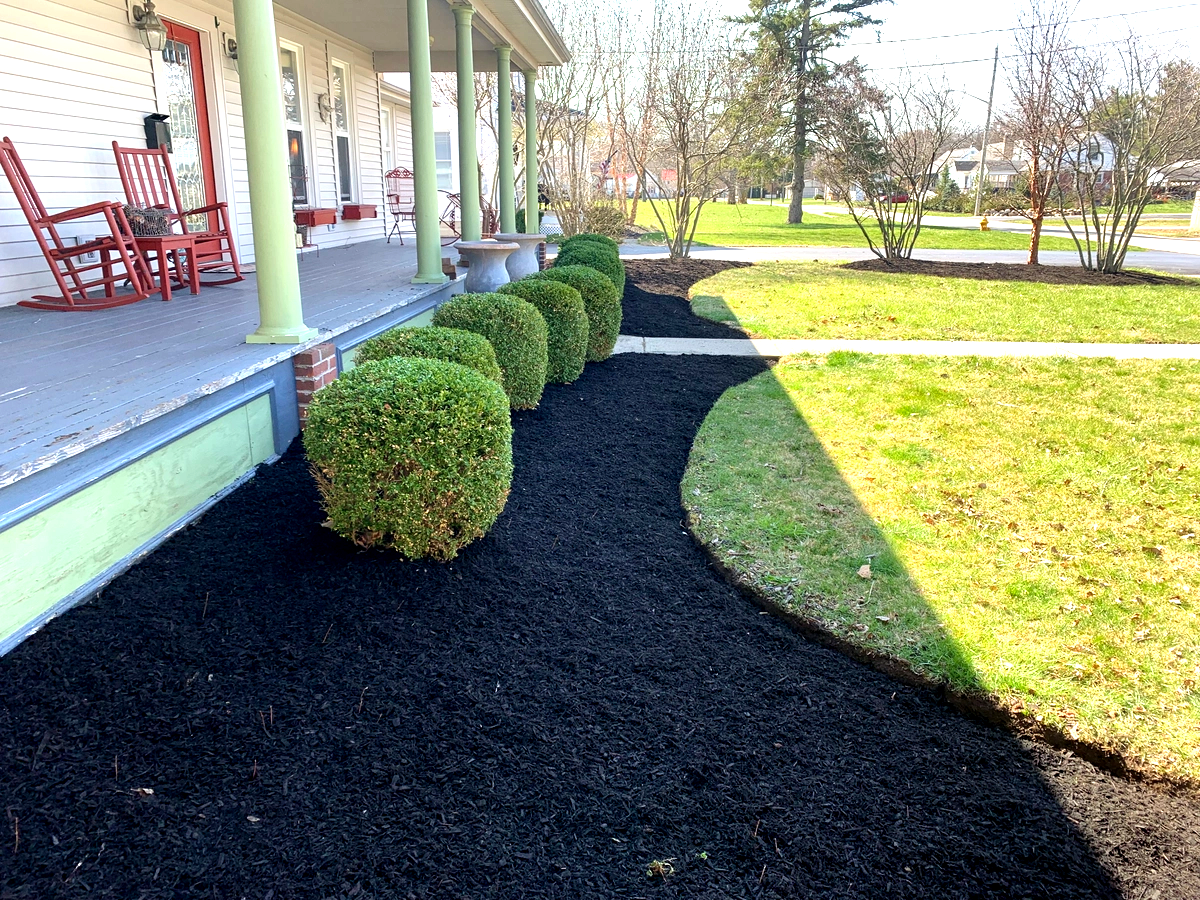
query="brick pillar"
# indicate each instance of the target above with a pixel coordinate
(541, 254)
(314, 368)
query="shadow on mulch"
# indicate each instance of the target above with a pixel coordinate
(574, 698)
(656, 302)
(1014, 272)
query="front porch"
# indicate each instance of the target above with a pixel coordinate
(144, 414)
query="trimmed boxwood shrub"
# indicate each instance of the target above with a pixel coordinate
(414, 455)
(591, 237)
(600, 301)
(447, 344)
(599, 257)
(566, 325)
(517, 333)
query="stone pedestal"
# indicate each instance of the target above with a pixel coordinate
(525, 260)
(485, 264)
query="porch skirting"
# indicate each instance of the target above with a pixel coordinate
(68, 529)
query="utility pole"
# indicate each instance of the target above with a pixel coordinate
(987, 127)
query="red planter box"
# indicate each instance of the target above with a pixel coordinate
(359, 211)
(314, 217)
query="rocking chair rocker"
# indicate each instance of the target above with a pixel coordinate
(76, 277)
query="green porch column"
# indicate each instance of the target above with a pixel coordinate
(281, 319)
(531, 160)
(429, 245)
(508, 191)
(468, 155)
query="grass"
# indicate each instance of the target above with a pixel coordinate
(761, 225)
(1030, 527)
(821, 300)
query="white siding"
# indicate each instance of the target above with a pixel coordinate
(74, 78)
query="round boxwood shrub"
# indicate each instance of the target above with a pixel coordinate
(590, 237)
(566, 325)
(599, 257)
(414, 455)
(600, 301)
(517, 333)
(447, 344)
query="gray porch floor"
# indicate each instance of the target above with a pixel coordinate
(72, 380)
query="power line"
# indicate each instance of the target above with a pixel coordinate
(962, 62)
(939, 37)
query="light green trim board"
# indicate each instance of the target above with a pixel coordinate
(46, 557)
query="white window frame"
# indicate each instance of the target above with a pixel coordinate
(387, 130)
(302, 126)
(449, 173)
(346, 133)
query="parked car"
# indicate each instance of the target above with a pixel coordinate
(895, 197)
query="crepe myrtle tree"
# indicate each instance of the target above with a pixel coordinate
(1044, 118)
(1138, 115)
(694, 120)
(883, 145)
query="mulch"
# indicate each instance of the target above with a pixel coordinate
(1015, 272)
(655, 303)
(577, 699)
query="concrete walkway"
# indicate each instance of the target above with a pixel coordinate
(775, 348)
(1174, 262)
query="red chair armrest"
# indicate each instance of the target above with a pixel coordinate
(82, 211)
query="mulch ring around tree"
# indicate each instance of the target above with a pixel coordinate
(1015, 272)
(576, 707)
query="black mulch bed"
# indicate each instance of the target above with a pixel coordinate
(574, 698)
(656, 304)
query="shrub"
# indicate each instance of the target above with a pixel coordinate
(598, 256)
(589, 237)
(517, 333)
(414, 455)
(605, 220)
(600, 301)
(447, 344)
(520, 223)
(566, 325)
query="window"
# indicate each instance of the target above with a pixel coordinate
(289, 68)
(441, 155)
(340, 91)
(389, 137)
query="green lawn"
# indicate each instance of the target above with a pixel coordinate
(823, 300)
(1030, 527)
(759, 225)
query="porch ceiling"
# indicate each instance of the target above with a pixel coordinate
(382, 27)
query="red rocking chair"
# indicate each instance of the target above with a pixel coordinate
(149, 183)
(401, 200)
(75, 277)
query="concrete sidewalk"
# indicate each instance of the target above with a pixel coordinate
(1175, 262)
(776, 348)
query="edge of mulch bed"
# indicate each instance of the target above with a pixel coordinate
(979, 707)
(1015, 272)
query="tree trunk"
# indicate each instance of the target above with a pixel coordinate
(800, 126)
(1035, 237)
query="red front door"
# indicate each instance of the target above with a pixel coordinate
(187, 103)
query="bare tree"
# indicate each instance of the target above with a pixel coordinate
(575, 142)
(1045, 117)
(692, 119)
(1136, 120)
(884, 146)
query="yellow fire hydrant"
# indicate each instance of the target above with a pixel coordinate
(983, 224)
